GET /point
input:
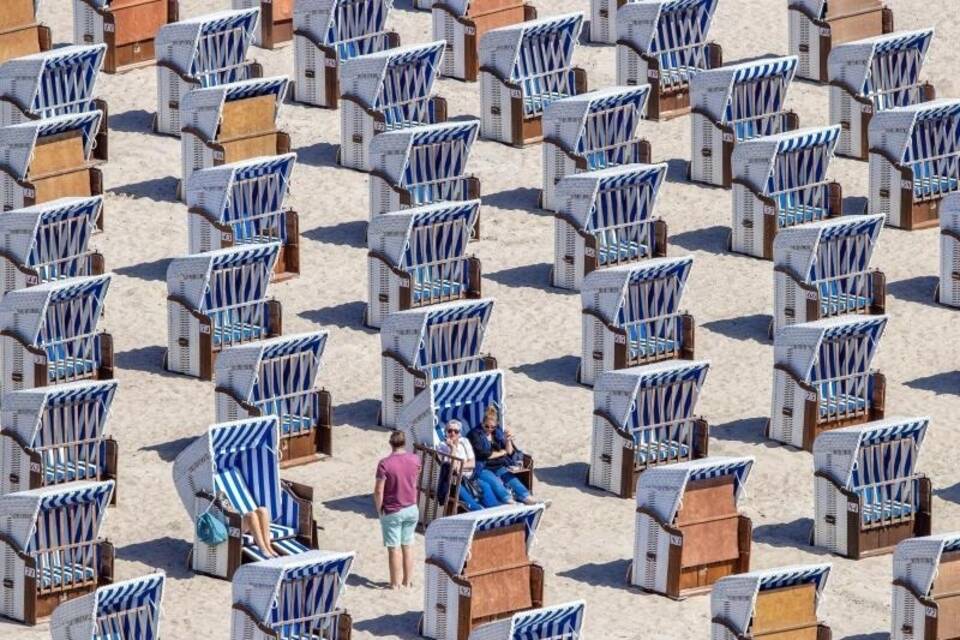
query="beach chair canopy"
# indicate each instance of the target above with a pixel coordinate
(422, 157)
(740, 95)
(52, 312)
(828, 249)
(394, 79)
(613, 197)
(916, 560)
(925, 131)
(352, 26)
(464, 398)
(438, 338)
(129, 609)
(786, 161)
(635, 292)
(424, 234)
(884, 68)
(211, 48)
(830, 349)
(870, 454)
(597, 123)
(203, 108)
(449, 539)
(52, 237)
(244, 194)
(44, 417)
(44, 519)
(525, 52)
(223, 278)
(17, 142)
(549, 623)
(660, 489)
(53, 83)
(675, 31)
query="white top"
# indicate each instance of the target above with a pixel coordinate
(463, 450)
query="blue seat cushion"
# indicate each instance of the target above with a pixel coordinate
(650, 452)
(535, 103)
(444, 288)
(790, 214)
(622, 251)
(926, 186)
(69, 471)
(834, 304)
(69, 368)
(65, 575)
(642, 345)
(839, 404)
(890, 509)
(277, 532)
(291, 424)
(237, 332)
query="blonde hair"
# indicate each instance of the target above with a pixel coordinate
(491, 413)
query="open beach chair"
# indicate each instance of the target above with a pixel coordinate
(127, 27)
(948, 287)
(478, 570)
(914, 162)
(689, 530)
(218, 299)
(822, 378)
(732, 104)
(49, 242)
(56, 435)
(780, 181)
(462, 23)
(421, 345)
(644, 417)
(816, 26)
(234, 468)
(326, 33)
(52, 549)
(279, 377)
(822, 269)
(869, 495)
(242, 203)
(873, 75)
(774, 603)
(605, 218)
(523, 68)
(126, 610)
(591, 131)
(48, 334)
(21, 33)
(663, 43)
(557, 622)
(276, 20)
(204, 51)
(926, 600)
(631, 316)
(385, 91)
(292, 597)
(418, 257)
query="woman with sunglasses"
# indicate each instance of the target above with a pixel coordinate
(494, 451)
(460, 448)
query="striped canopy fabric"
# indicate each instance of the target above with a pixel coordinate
(53, 83)
(354, 27)
(203, 108)
(793, 160)
(125, 610)
(245, 462)
(633, 293)
(661, 488)
(212, 48)
(885, 69)
(18, 142)
(465, 398)
(830, 250)
(927, 131)
(598, 125)
(559, 622)
(39, 520)
(55, 312)
(225, 278)
(831, 349)
(431, 233)
(916, 561)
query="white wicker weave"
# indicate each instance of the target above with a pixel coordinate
(948, 290)
(916, 564)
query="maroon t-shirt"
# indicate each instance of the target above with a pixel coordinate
(399, 472)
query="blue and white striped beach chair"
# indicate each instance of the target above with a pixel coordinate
(462, 23)
(925, 598)
(812, 24)
(558, 622)
(127, 27)
(21, 33)
(127, 610)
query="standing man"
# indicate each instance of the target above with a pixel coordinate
(395, 499)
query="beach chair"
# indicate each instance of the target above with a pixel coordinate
(276, 20)
(44, 160)
(279, 377)
(816, 26)
(232, 122)
(127, 610)
(52, 549)
(418, 257)
(523, 68)
(216, 300)
(48, 334)
(326, 33)
(948, 287)
(689, 530)
(822, 269)
(422, 165)
(604, 219)
(873, 75)
(926, 600)
(631, 316)
(56, 435)
(774, 604)
(663, 43)
(478, 570)
(242, 203)
(914, 162)
(49, 242)
(822, 378)
(869, 495)
(21, 33)
(644, 417)
(127, 27)
(463, 23)
(732, 104)
(558, 622)
(204, 51)
(780, 181)
(231, 469)
(292, 597)
(421, 345)
(591, 131)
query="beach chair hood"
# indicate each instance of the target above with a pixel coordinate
(508, 50)
(363, 77)
(655, 26)
(406, 333)
(579, 194)
(18, 141)
(20, 230)
(390, 233)
(606, 291)
(76, 619)
(712, 90)
(333, 21)
(189, 276)
(916, 560)
(20, 512)
(464, 398)
(238, 368)
(391, 150)
(756, 160)
(892, 130)
(23, 311)
(836, 452)
(180, 43)
(23, 410)
(566, 119)
(797, 346)
(203, 108)
(556, 622)
(799, 247)
(852, 63)
(218, 191)
(617, 391)
(38, 82)
(660, 489)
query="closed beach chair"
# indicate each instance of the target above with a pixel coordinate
(926, 597)
(478, 570)
(462, 24)
(822, 269)
(242, 203)
(732, 104)
(558, 622)
(292, 597)
(216, 300)
(418, 257)
(49, 242)
(644, 417)
(780, 181)
(21, 33)
(822, 378)
(231, 470)
(689, 531)
(386, 91)
(52, 549)
(663, 43)
(279, 377)
(523, 68)
(591, 131)
(605, 218)
(948, 288)
(914, 162)
(817, 26)
(869, 495)
(631, 316)
(774, 603)
(873, 75)
(276, 20)
(127, 27)
(421, 345)
(199, 52)
(49, 335)
(327, 33)
(55, 435)
(126, 610)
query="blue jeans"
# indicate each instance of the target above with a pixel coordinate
(502, 482)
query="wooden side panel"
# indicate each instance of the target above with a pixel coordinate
(250, 115)
(479, 7)
(497, 19)
(806, 633)
(63, 185)
(23, 42)
(497, 549)
(57, 153)
(139, 21)
(710, 542)
(787, 608)
(16, 13)
(707, 500)
(948, 575)
(704, 575)
(252, 147)
(282, 10)
(500, 592)
(948, 616)
(837, 8)
(856, 27)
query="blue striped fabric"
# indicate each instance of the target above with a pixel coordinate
(256, 87)
(953, 544)
(59, 246)
(610, 124)
(357, 27)
(894, 69)
(800, 575)
(644, 298)
(562, 622)
(406, 85)
(707, 470)
(254, 209)
(437, 248)
(305, 594)
(67, 81)
(221, 48)
(842, 258)
(457, 343)
(117, 605)
(235, 294)
(285, 381)
(933, 150)
(798, 173)
(246, 466)
(756, 97)
(68, 517)
(542, 63)
(680, 38)
(883, 471)
(465, 398)
(436, 158)
(622, 211)
(67, 332)
(489, 521)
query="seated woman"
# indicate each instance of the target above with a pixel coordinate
(495, 450)
(475, 493)
(257, 522)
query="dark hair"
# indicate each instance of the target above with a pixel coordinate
(398, 439)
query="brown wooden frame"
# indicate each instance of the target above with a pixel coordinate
(499, 13)
(406, 291)
(38, 359)
(812, 293)
(129, 30)
(663, 104)
(687, 333)
(823, 631)
(16, 33)
(276, 25)
(933, 615)
(288, 259)
(913, 215)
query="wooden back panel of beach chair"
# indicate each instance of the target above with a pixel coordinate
(497, 549)
(58, 168)
(499, 572)
(137, 21)
(248, 116)
(787, 613)
(710, 522)
(854, 19)
(946, 593)
(16, 13)
(282, 10)
(18, 30)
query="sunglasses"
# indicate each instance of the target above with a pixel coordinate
(453, 430)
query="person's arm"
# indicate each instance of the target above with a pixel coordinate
(378, 490)
(508, 442)
(481, 449)
(470, 463)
